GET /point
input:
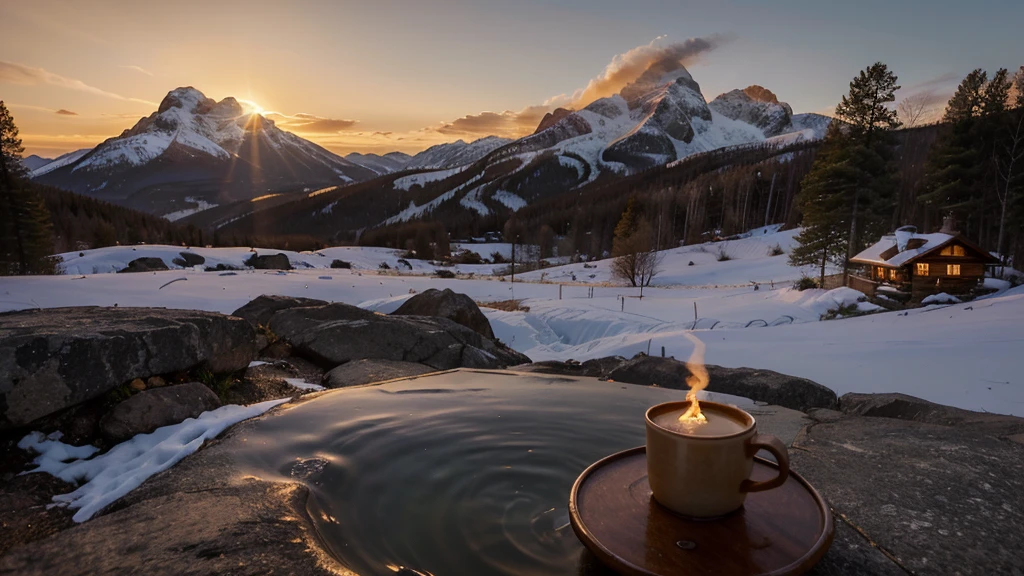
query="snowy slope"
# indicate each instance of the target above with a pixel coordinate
(456, 153)
(965, 355)
(59, 161)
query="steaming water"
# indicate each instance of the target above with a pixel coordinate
(461, 473)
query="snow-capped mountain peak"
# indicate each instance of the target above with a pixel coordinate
(192, 141)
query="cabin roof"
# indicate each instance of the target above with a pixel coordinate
(876, 255)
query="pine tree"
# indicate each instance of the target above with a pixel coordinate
(849, 190)
(26, 238)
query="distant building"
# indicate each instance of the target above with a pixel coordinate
(910, 266)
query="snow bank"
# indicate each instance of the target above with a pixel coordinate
(940, 298)
(111, 475)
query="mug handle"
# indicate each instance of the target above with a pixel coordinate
(778, 449)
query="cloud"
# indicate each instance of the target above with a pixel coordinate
(628, 66)
(138, 69)
(507, 124)
(64, 112)
(309, 123)
(623, 69)
(26, 75)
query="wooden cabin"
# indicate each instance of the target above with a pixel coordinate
(911, 266)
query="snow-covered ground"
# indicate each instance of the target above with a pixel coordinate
(965, 354)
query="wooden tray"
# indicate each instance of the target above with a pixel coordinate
(781, 531)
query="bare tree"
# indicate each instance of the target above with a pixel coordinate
(912, 108)
(638, 262)
(1010, 166)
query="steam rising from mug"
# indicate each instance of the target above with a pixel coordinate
(697, 380)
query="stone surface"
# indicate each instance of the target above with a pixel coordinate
(851, 554)
(203, 516)
(147, 264)
(359, 372)
(937, 499)
(908, 497)
(269, 262)
(148, 410)
(448, 304)
(761, 385)
(903, 407)
(259, 310)
(337, 333)
(57, 358)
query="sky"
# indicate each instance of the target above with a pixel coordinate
(404, 75)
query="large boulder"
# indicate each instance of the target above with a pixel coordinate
(445, 303)
(147, 264)
(259, 310)
(359, 372)
(338, 333)
(60, 357)
(150, 409)
(269, 262)
(188, 260)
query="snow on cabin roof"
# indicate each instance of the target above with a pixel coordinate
(873, 254)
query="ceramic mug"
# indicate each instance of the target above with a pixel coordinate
(704, 476)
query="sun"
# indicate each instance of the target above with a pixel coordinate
(251, 107)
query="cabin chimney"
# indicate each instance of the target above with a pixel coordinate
(949, 225)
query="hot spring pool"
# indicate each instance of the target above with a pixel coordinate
(459, 473)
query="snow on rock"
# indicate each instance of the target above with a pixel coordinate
(111, 475)
(301, 384)
(406, 182)
(510, 200)
(200, 206)
(940, 298)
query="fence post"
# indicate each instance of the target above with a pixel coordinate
(559, 291)
(662, 351)
(694, 313)
(623, 309)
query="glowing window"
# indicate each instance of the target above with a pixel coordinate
(922, 269)
(953, 251)
(880, 273)
(892, 275)
(952, 269)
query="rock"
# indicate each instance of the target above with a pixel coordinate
(762, 385)
(137, 384)
(937, 499)
(771, 387)
(279, 349)
(904, 407)
(148, 410)
(596, 368)
(448, 304)
(155, 382)
(269, 262)
(59, 357)
(337, 333)
(147, 264)
(259, 310)
(188, 260)
(341, 264)
(359, 372)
